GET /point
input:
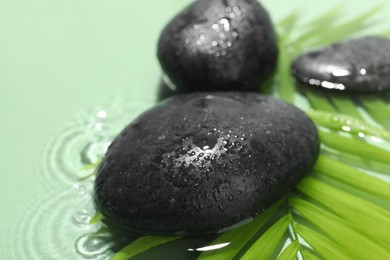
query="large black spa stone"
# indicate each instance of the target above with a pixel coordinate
(200, 163)
(219, 45)
(357, 65)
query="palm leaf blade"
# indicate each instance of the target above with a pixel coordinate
(351, 208)
(352, 176)
(307, 255)
(290, 252)
(347, 29)
(140, 245)
(264, 247)
(339, 122)
(310, 30)
(321, 244)
(353, 146)
(356, 244)
(338, 211)
(237, 238)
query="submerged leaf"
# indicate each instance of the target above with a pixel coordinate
(96, 218)
(265, 246)
(140, 245)
(92, 166)
(290, 252)
(238, 237)
(307, 255)
(321, 244)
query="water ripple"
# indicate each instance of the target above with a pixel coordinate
(85, 140)
(56, 224)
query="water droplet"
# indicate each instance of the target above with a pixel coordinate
(81, 189)
(93, 245)
(102, 114)
(93, 151)
(226, 24)
(376, 139)
(237, 10)
(346, 128)
(314, 82)
(82, 217)
(232, 15)
(99, 126)
(222, 35)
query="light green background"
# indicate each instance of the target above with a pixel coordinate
(61, 57)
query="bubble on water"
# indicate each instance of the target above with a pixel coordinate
(93, 245)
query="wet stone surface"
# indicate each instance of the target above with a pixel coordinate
(219, 45)
(199, 163)
(357, 65)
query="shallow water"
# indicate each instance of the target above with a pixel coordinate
(60, 58)
(66, 206)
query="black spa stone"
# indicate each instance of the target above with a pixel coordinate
(357, 65)
(200, 163)
(219, 45)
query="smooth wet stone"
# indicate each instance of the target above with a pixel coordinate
(200, 163)
(219, 45)
(357, 65)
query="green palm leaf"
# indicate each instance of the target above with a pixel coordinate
(351, 208)
(356, 244)
(290, 252)
(140, 245)
(307, 255)
(237, 238)
(323, 245)
(340, 211)
(353, 177)
(265, 246)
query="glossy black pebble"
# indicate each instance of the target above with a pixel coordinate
(219, 45)
(199, 163)
(357, 65)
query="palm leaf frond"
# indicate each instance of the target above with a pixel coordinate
(338, 212)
